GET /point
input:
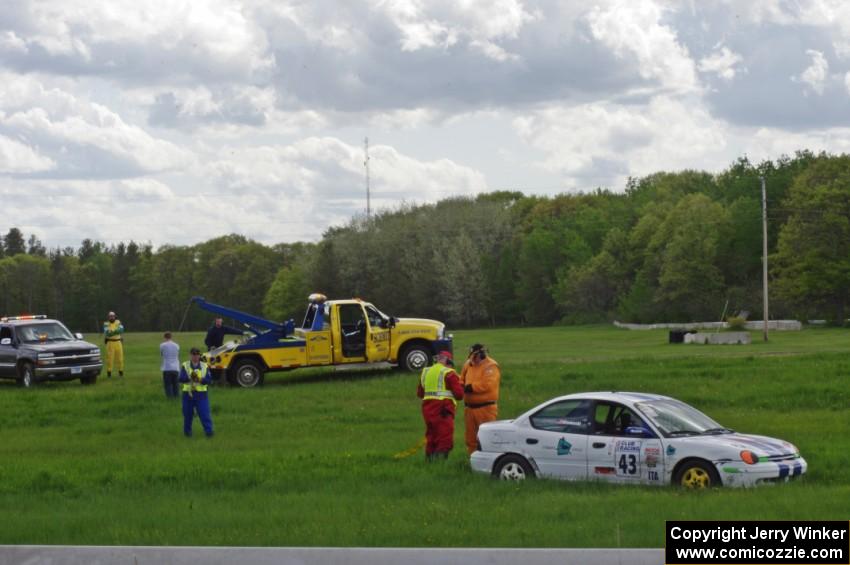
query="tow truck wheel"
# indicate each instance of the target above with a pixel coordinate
(26, 375)
(416, 358)
(248, 374)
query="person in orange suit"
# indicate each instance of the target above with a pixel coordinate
(480, 377)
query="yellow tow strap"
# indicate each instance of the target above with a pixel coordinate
(412, 451)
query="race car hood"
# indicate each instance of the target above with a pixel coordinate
(760, 445)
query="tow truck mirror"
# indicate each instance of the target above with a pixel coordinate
(6, 341)
(393, 321)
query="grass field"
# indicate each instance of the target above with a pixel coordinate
(308, 459)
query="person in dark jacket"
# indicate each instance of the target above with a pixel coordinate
(216, 333)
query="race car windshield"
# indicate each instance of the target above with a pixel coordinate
(674, 418)
(35, 333)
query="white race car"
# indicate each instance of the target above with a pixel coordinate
(629, 437)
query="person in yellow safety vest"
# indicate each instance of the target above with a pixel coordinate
(440, 389)
(480, 377)
(113, 337)
(196, 377)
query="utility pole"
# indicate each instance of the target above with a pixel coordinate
(366, 164)
(764, 250)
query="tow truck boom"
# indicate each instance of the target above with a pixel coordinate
(267, 331)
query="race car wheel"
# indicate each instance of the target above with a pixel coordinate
(248, 374)
(416, 357)
(26, 375)
(513, 468)
(696, 474)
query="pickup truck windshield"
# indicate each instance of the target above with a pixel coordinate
(49, 331)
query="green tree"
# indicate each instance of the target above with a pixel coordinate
(287, 294)
(13, 242)
(812, 264)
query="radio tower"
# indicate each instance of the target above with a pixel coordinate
(366, 164)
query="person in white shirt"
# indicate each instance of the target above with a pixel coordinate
(170, 353)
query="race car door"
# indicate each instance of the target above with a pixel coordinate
(556, 439)
(622, 447)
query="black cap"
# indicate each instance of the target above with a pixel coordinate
(475, 347)
(195, 351)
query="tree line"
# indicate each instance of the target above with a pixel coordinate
(673, 247)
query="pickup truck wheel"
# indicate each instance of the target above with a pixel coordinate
(415, 358)
(26, 375)
(248, 374)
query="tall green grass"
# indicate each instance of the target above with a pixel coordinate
(308, 459)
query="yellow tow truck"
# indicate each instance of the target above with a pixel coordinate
(333, 333)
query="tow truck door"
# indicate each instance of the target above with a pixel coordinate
(378, 339)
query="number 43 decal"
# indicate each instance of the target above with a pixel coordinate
(627, 465)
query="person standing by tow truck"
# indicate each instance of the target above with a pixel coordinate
(440, 389)
(113, 337)
(480, 377)
(196, 377)
(216, 333)
(170, 353)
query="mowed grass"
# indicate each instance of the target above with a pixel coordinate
(307, 460)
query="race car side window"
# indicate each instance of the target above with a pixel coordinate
(567, 416)
(611, 419)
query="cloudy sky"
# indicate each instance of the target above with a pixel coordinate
(172, 121)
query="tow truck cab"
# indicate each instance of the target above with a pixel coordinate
(333, 332)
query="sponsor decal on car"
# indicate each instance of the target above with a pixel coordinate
(564, 447)
(627, 458)
(651, 455)
(671, 450)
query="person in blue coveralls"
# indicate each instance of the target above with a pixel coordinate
(195, 377)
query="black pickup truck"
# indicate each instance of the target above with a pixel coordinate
(35, 348)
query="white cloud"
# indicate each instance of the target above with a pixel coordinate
(81, 137)
(723, 63)
(815, 74)
(11, 43)
(634, 29)
(481, 24)
(150, 39)
(581, 141)
(17, 158)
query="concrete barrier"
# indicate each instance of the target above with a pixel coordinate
(774, 325)
(721, 338)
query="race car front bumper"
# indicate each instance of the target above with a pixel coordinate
(483, 461)
(740, 474)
